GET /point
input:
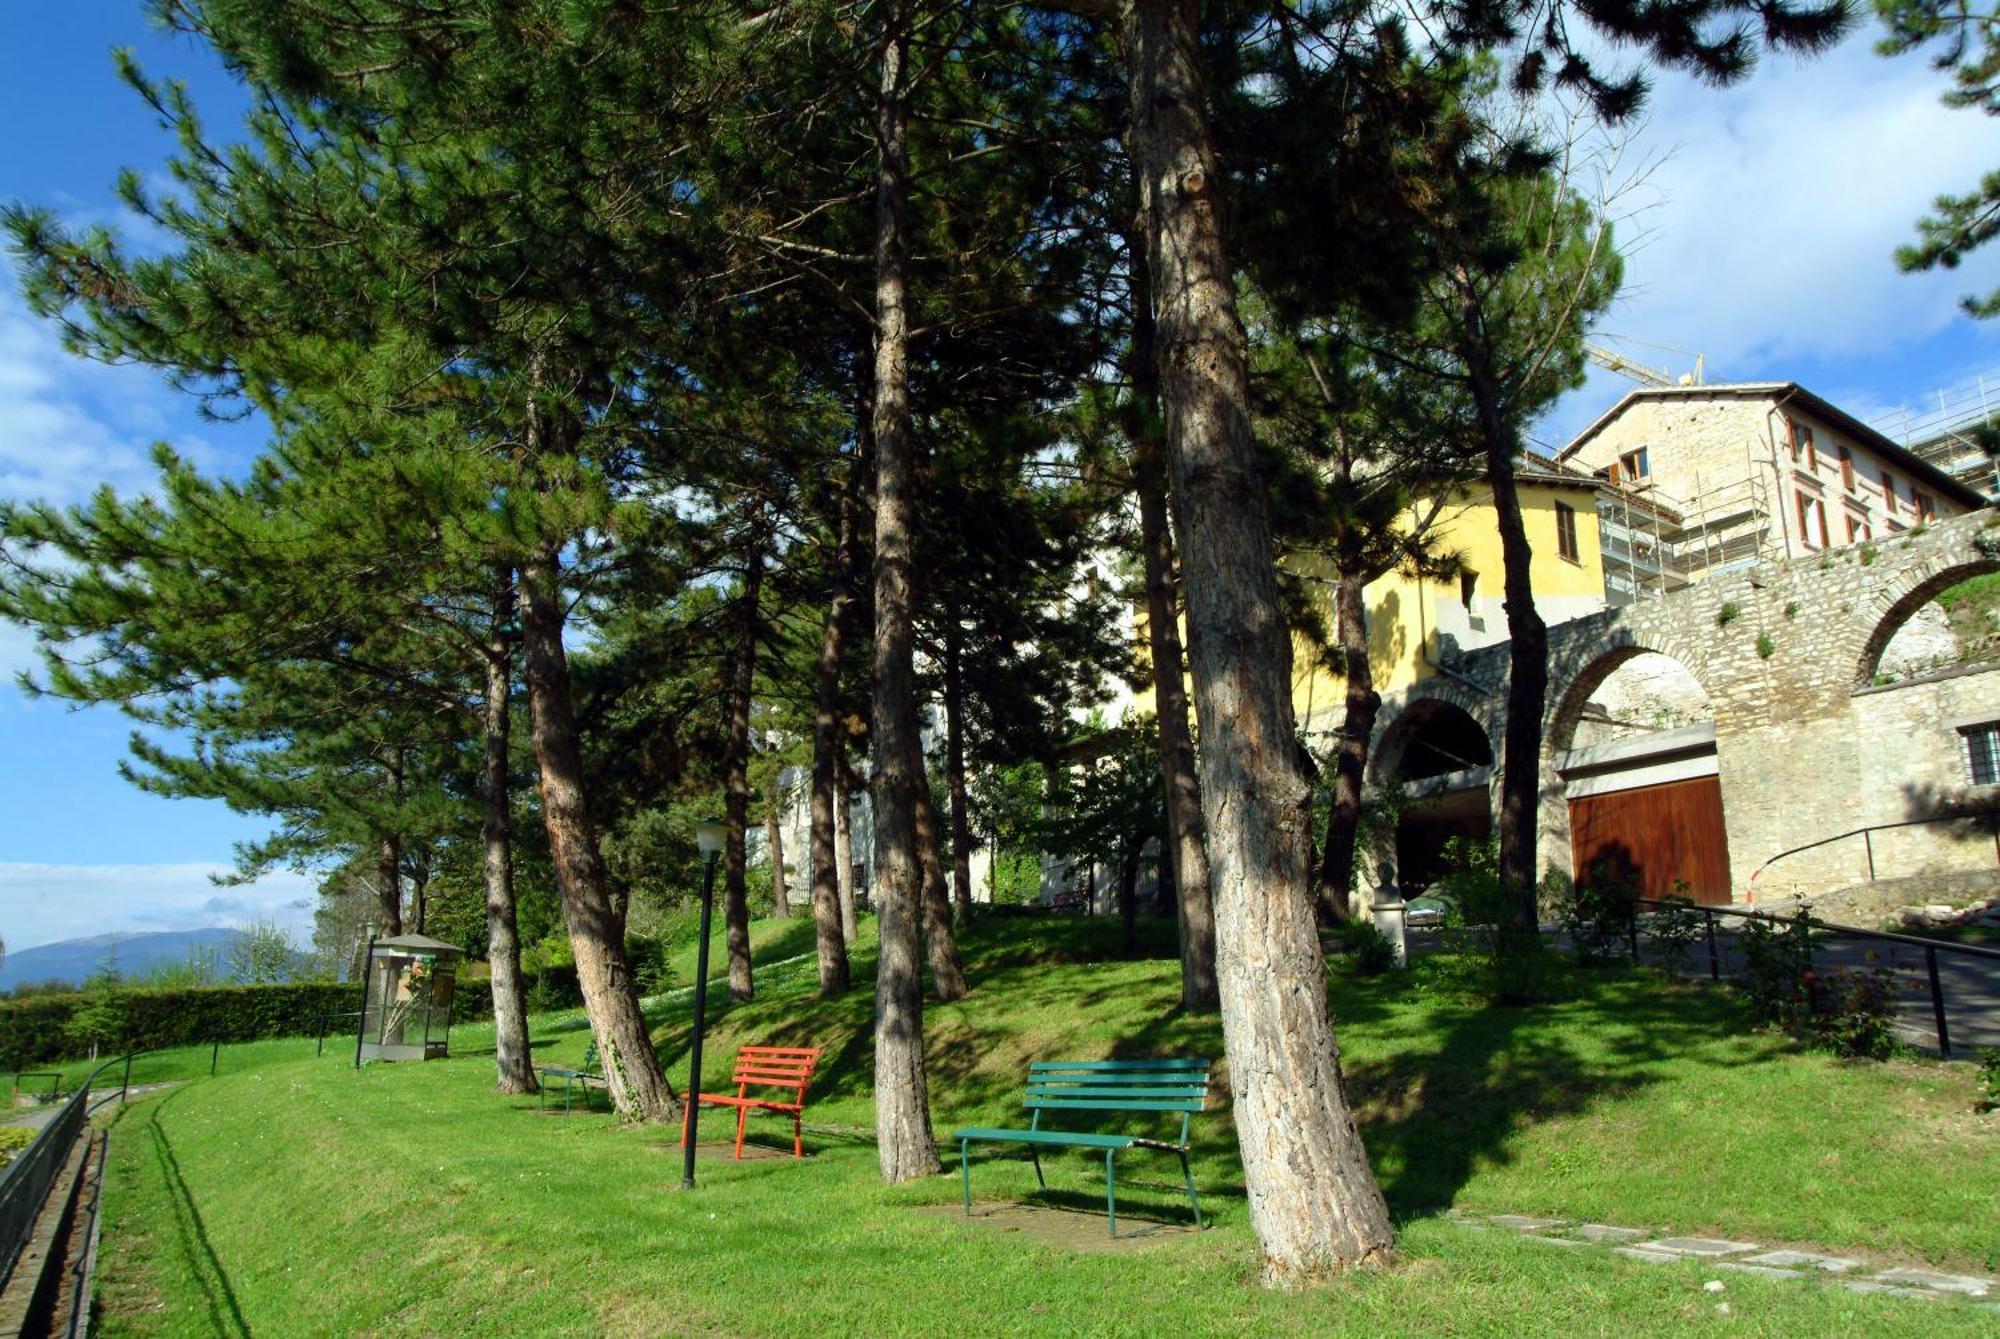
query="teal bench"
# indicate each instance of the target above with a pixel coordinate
(1127, 1086)
(583, 1076)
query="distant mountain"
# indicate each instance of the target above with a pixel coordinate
(72, 960)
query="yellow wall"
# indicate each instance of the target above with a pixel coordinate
(1405, 614)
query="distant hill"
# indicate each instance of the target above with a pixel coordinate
(72, 960)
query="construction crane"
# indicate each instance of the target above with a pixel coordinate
(1637, 371)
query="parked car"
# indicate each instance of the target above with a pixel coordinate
(1428, 910)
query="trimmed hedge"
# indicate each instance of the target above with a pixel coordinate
(31, 1030)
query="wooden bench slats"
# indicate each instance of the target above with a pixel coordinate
(1100, 1085)
(764, 1067)
(1103, 1066)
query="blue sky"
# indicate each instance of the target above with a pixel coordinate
(1768, 216)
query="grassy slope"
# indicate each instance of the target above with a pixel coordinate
(406, 1199)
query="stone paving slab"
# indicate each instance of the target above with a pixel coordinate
(1924, 1278)
(1650, 1257)
(1832, 1264)
(1864, 1286)
(1768, 1271)
(1603, 1232)
(1703, 1247)
(1523, 1223)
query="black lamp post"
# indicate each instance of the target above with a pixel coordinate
(708, 837)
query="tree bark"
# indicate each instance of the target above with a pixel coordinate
(638, 1087)
(843, 840)
(389, 884)
(1527, 634)
(940, 944)
(1350, 763)
(904, 1143)
(1314, 1203)
(511, 1056)
(736, 775)
(954, 774)
(774, 838)
(1186, 835)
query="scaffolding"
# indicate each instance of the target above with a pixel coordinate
(1949, 437)
(1653, 542)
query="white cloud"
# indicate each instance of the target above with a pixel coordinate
(43, 903)
(1782, 205)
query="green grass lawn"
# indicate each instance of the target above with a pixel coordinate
(290, 1195)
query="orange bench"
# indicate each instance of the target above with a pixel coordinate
(764, 1067)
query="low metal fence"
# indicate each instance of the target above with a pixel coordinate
(25, 1182)
(1930, 948)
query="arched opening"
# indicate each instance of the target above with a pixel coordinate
(1437, 758)
(1948, 622)
(1635, 750)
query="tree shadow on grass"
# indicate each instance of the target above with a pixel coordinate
(1470, 1076)
(225, 1315)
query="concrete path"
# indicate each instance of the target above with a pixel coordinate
(1852, 1272)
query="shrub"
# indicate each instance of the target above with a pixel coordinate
(14, 1138)
(1726, 614)
(1777, 960)
(1370, 949)
(1853, 1012)
(1673, 931)
(1767, 646)
(1989, 1081)
(1598, 912)
(1522, 970)
(36, 1030)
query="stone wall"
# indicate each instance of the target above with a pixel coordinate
(1807, 745)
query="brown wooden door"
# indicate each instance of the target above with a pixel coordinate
(1655, 835)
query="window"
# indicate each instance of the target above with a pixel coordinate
(1846, 468)
(1812, 519)
(1802, 443)
(1468, 582)
(1857, 528)
(1566, 531)
(1635, 465)
(1926, 508)
(1889, 492)
(1982, 753)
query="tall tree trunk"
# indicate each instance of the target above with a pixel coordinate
(1186, 835)
(638, 1086)
(774, 838)
(832, 897)
(389, 883)
(903, 1139)
(954, 776)
(1527, 634)
(736, 774)
(843, 840)
(503, 944)
(1350, 763)
(940, 944)
(1314, 1203)
(1128, 900)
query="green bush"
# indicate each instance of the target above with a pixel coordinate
(1854, 1012)
(1597, 912)
(1370, 949)
(14, 1138)
(1673, 931)
(1777, 960)
(38, 1029)
(1989, 1081)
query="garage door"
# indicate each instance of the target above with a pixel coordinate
(1655, 835)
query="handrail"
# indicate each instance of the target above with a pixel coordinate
(1855, 931)
(1931, 947)
(1864, 832)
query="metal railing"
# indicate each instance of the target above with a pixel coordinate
(1990, 817)
(24, 1185)
(1931, 947)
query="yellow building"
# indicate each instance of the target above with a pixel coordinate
(1414, 622)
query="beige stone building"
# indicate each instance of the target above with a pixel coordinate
(1706, 479)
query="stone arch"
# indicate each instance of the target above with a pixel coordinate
(1431, 705)
(1902, 596)
(1571, 697)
